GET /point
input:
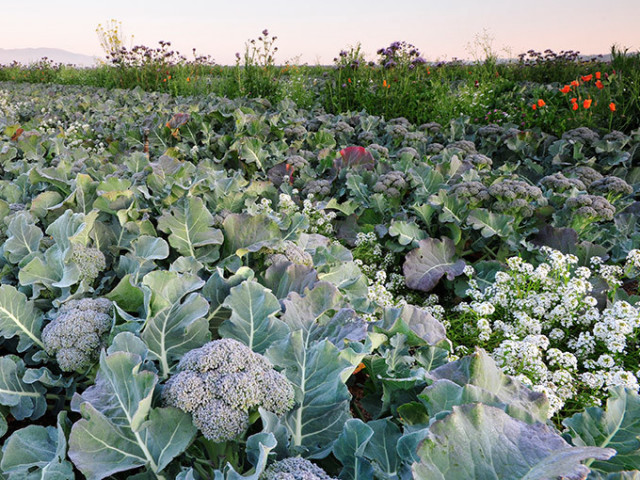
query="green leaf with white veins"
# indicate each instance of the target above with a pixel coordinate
(26, 400)
(616, 427)
(322, 399)
(189, 226)
(24, 239)
(252, 322)
(18, 316)
(119, 430)
(426, 265)
(490, 223)
(470, 443)
(349, 448)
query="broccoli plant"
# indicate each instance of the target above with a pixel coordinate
(221, 383)
(392, 184)
(76, 335)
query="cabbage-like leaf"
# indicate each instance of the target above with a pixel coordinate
(26, 400)
(616, 427)
(477, 378)
(252, 322)
(119, 430)
(407, 232)
(490, 223)
(349, 448)
(426, 265)
(189, 226)
(484, 443)
(283, 277)
(23, 239)
(417, 324)
(322, 399)
(258, 448)
(37, 452)
(18, 316)
(245, 233)
(382, 451)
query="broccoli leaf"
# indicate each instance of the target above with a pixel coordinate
(189, 226)
(426, 265)
(322, 399)
(245, 233)
(349, 448)
(119, 430)
(24, 239)
(616, 427)
(18, 316)
(26, 400)
(490, 223)
(252, 322)
(470, 443)
(37, 450)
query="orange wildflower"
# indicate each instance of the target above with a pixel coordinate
(597, 75)
(566, 89)
(587, 78)
(599, 85)
(574, 83)
(169, 77)
(188, 79)
(541, 103)
(385, 84)
(612, 107)
(358, 368)
(575, 106)
(534, 106)
(587, 103)
(349, 80)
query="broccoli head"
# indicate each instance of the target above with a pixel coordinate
(473, 193)
(465, 146)
(296, 161)
(221, 382)
(392, 184)
(90, 261)
(478, 161)
(611, 186)
(290, 252)
(294, 468)
(582, 135)
(586, 175)
(317, 188)
(559, 183)
(76, 335)
(592, 208)
(515, 197)
(434, 148)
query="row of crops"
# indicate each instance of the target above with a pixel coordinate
(198, 287)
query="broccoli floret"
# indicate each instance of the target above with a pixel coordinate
(586, 175)
(378, 151)
(559, 183)
(343, 128)
(479, 161)
(317, 188)
(515, 197)
(90, 261)
(473, 193)
(366, 137)
(76, 335)
(294, 468)
(392, 184)
(490, 130)
(296, 132)
(581, 134)
(297, 161)
(615, 136)
(431, 127)
(409, 152)
(221, 382)
(464, 146)
(397, 131)
(591, 207)
(289, 251)
(611, 186)
(17, 207)
(434, 148)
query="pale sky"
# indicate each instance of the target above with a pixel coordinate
(315, 31)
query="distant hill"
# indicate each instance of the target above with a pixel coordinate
(56, 55)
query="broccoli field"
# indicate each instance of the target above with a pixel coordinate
(203, 287)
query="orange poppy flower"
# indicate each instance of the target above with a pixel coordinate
(612, 107)
(384, 84)
(587, 103)
(188, 79)
(574, 100)
(541, 103)
(534, 106)
(599, 85)
(574, 83)
(349, 80)
(597, 75)
(587, 78)
(566, 89)
(575, 106)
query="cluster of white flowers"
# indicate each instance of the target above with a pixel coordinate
(319, 218)
(551, 333)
